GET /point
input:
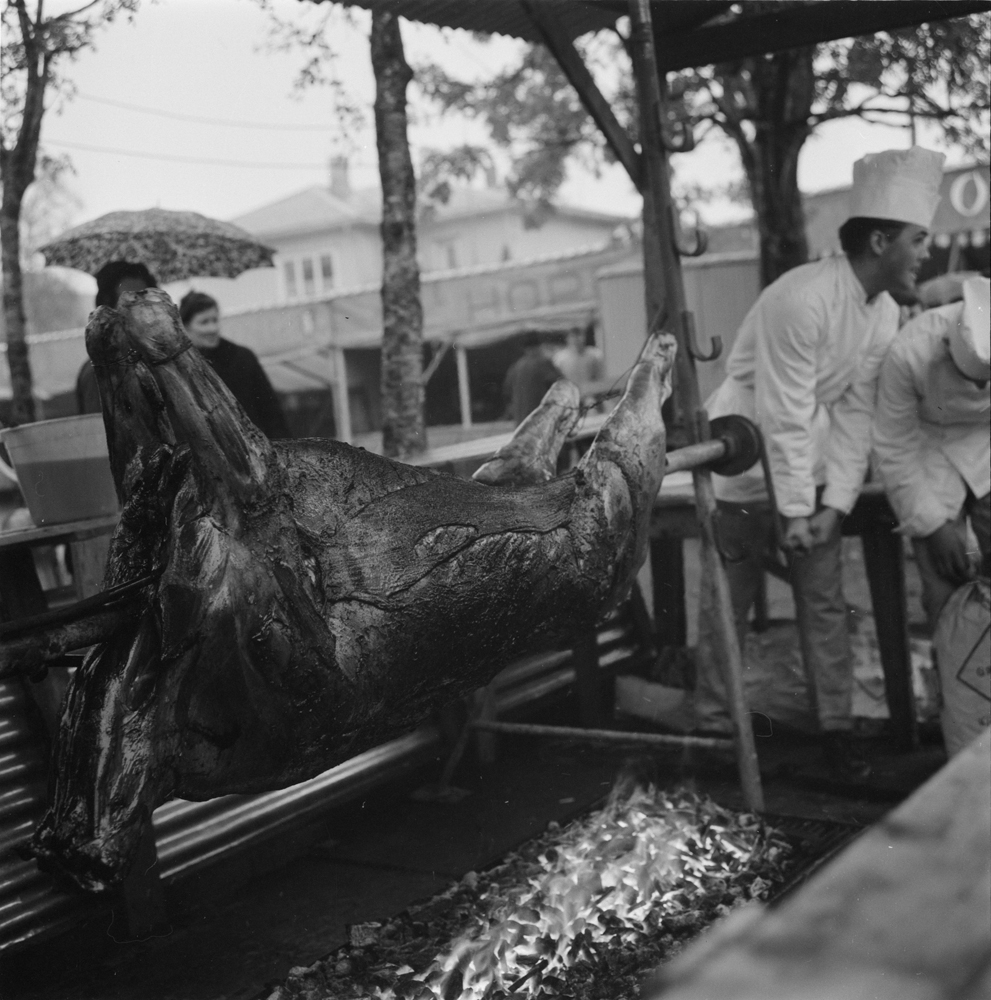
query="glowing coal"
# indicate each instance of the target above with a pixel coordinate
(611, 877)
(644, 866)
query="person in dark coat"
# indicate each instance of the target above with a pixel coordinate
(237, 366)
(112, 280)
(529, 378)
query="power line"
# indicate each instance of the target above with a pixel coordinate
(178, 116)
(185, 159)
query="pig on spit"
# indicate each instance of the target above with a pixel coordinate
(311, 600)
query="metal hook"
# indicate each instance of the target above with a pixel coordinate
(683, 138)
(715, 345)
(701, 244)
(701, 237)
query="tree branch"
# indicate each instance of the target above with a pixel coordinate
(24, 20)
(71, 14)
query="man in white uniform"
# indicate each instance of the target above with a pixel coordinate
(804, 367)
(932, 440)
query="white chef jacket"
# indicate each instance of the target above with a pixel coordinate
(804, 368)
(932, 427)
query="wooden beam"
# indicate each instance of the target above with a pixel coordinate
(903, 912)
(664, 285)
(342, 404)
(464, 385)
(571, 62)
(805, 24)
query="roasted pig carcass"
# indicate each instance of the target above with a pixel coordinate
(310, 599)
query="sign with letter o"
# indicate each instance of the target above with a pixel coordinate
(969, 193)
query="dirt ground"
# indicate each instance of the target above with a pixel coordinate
(371, 860)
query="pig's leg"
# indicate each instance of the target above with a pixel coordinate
(619, 476)
(530, 457)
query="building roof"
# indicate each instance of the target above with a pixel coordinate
(312, 210)
(315, 209)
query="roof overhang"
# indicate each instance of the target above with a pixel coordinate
(512, 18)
(688, 32)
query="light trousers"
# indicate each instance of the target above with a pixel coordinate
(936, 590)
(747, 534)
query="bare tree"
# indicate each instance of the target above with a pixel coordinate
(35, 47)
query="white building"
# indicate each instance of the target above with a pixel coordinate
(327, 240)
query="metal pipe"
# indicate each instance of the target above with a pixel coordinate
(600, 735)
(694, 456)
(252, 818)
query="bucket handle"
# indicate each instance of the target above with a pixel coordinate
(8, 471)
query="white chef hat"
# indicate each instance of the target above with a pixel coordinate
(970, 337)
(897, 184)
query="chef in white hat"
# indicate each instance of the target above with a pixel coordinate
(804, 367)
(932, 440)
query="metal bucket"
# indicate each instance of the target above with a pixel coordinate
(63, 468)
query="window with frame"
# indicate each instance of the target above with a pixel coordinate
(326, 272)
(289, 274)
(309, 280)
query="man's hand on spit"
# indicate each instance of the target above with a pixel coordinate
(823, 523)
(948, 549)
(798, 535)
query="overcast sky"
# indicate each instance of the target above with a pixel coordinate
(207, 59)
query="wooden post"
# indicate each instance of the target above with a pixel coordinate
(556, 39)
(89, 563)
(342, 404)
(484, 710)
(464, 384)
(139, 903)
(667, 570)
(588, 683)
(664, 287)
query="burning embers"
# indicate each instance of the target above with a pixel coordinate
(649, 869)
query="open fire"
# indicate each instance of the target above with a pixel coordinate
(649, 865)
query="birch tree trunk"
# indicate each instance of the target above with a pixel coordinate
(403, 424)
(18, 162)
(14, 320)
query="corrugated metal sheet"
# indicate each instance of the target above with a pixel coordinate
(191, 836)
(29, 901)
(503, 17)
(509, 17)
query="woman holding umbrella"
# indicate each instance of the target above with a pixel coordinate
(123, 248)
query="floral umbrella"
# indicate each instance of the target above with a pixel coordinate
(172, 245)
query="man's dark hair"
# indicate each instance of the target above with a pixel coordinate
(855, 233)
(193, 303)
(111, 275)
(530, 339)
